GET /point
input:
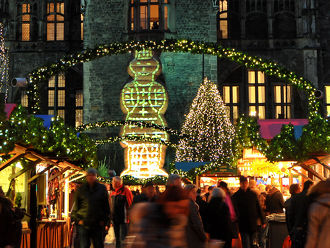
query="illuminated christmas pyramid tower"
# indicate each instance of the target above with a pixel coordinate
(144, 99)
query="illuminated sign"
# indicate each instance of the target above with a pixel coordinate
(144, 99)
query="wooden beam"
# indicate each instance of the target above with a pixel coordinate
(59, 173)
(70, 175)
(40, 173)
(76, 178)
(24, 170)
(11, 160)
(307, 168)
(321, 163)
(301, 174)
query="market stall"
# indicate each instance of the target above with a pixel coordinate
(41, 185)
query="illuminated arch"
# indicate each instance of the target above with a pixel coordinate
(42, 74)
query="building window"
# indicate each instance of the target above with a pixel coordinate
(231, 99)
(148, 15)
(327, 99)
(256, 25)
(56, 86)
(81, 26)
(284, 25)
(79, 107)
(25, 22)
(282, 101)
(55, 21)
(257, 94)
(223, 19)
(24, 99)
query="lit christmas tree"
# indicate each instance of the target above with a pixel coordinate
(208, 133)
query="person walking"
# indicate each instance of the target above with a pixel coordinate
(319, 216)
(148, 194)
(299, 212)
(274, 201)
(294, 190)
(91, 211)
(249, 211)
(218, 221)
(195, 230)
(121, 199)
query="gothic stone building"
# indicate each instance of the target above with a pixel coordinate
(293, 33)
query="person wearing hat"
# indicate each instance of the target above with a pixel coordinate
(249, 211)
(91, 211)
(148, 194)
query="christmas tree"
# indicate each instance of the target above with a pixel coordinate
(208, 134)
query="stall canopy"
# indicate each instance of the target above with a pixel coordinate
(20, 152)
(271, 127)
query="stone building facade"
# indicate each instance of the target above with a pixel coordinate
(293, 33)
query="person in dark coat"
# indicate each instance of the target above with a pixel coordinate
(294, 190)
(148, 194)
(218, 221)
(274, 201)
(249, 211)
(298, 212)
(195, 231)
(91, 211)
(202, 204)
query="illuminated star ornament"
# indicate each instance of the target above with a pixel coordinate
(210, 134)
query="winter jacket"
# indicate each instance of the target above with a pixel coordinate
(288, 217)
(274, 201)
(248, 210)
(121, 200)
(92, 205)
(319, 223)
(7, 222)
(195, 230)
(299, 214)
(218, 221)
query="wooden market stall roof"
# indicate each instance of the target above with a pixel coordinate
(27, 152)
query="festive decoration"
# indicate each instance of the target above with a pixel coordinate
(142, 124)
(59, 140)
(129, 180)
(144, 99)
(211, 134)
(4, 64)
(42, 74)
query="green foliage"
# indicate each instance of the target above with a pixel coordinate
(316, 137)
(284, 146)
(59, 140)
(103, 168)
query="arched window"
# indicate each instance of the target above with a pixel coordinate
(256, 24)
(148, 15)
(284, 19)
(55, 20)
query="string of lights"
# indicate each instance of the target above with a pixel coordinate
(4, 64)
(42, 74)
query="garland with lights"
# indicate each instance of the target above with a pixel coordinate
(4, 63)
(59, 140)
(134, 138)
(102, 124)
(129, 180)
(42, 74)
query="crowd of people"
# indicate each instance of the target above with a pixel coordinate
(190, 217)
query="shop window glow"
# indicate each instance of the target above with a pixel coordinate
(144, 99)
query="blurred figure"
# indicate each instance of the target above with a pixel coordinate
(202, 206)
(195, 230)
(233, 217)
(294, 190)
(218, 221)
(319, 216)
(274, 201)
(148, 194)
(174, 180)
(161, 224)
(299, 213)
(91, 211)
(253, 187)
(249, 211)
(120, 199)
(7, 220)
(207, 195)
